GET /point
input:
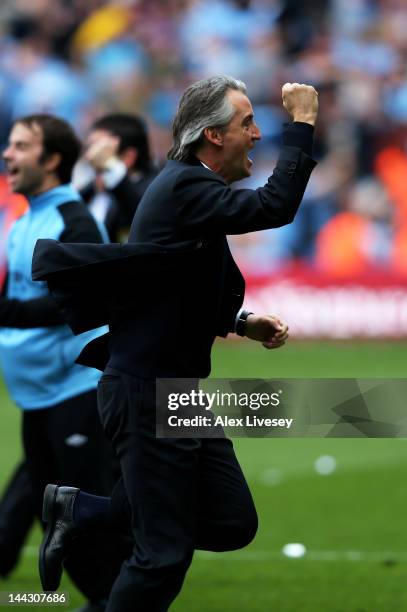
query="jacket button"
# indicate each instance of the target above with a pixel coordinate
(292, 166)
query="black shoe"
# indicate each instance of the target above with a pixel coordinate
(57, 512)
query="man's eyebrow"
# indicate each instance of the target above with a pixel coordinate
(250, 116)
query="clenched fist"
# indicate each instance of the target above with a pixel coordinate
(267, 329)
(300, 101)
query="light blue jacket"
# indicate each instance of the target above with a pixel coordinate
(38, 363)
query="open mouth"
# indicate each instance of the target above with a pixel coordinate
(249, 159)
(12, 173)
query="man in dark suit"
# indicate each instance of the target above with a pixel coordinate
(185, 493)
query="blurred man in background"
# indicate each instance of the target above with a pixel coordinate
(62, 436)
(114, 174)
(115, 171)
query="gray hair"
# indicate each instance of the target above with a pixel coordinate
(203, 104)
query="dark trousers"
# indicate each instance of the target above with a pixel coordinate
(17, 515)
(183, 493)
(65, 444)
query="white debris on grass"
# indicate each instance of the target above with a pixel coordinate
(294, 550)
(325, 465)
(272, 477)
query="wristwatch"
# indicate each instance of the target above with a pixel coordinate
(240, 327)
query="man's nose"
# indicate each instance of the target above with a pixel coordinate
(8, 153)
(256, 132)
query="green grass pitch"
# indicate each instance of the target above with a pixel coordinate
(352, 522)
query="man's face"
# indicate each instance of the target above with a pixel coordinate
(238, 138)
(101, 145)
(95, 136)
(26, 174)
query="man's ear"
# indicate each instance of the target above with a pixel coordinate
(52, 162)
(214, 135)
(129, 157)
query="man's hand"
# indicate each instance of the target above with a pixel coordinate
(267, 329)
(102, 153)
(301, 102)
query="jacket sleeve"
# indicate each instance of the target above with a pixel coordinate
(207, 205)
(80, 226)
(38, 312)
(87, 192)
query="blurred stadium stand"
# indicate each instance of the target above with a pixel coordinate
(344, 260)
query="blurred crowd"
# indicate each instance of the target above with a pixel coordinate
(81, 59)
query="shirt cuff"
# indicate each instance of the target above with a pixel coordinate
(299, 134)
(114, 174)
(237, 317)
(240, 321)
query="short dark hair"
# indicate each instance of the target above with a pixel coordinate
(132, 132)
(57, 137)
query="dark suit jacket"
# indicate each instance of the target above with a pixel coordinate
(167, 327)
